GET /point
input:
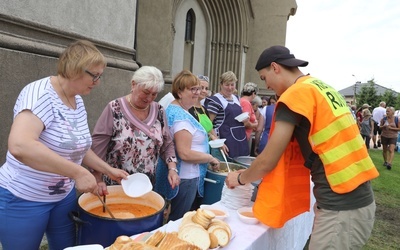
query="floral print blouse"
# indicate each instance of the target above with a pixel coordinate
(128, 143)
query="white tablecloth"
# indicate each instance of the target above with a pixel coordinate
(293, 235)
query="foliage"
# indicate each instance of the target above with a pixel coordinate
(397, 106)
(390, 98)
(368, 94)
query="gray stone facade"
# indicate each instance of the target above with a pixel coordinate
(228, 35)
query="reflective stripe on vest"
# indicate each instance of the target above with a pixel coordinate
(334, 134)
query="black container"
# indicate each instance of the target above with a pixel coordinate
(214, 182)
(93, 229)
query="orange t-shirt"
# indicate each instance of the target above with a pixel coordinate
(246, 107)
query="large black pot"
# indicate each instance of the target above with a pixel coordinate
(214, 182)
(93, 229)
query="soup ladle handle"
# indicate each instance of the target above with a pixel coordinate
(226, 161)
(104, 200)
(105, 206)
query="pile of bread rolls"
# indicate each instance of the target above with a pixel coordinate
(203, 230)
(199, 230)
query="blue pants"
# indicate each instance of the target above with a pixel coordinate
(183, 201)
(23, 223)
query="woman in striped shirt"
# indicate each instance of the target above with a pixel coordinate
(48, 142)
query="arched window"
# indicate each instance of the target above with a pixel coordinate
(190, 22)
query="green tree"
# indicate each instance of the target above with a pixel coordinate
(390, 98)
(368, 94)
(398, 102)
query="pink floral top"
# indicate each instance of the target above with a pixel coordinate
(128, 143)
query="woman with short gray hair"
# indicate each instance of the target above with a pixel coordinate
(249, 92)
(132, 132)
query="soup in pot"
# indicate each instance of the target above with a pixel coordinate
(124, 211)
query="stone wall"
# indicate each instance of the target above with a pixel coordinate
(34, 32)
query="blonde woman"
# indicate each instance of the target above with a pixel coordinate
(48, 142)
(390, 129)
(223, 107)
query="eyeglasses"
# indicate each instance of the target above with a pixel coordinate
(195, 90)
(203, 78)
(95, 77)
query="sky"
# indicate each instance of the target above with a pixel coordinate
(346, 41)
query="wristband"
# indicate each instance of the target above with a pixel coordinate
(173, 169)
(238, 180)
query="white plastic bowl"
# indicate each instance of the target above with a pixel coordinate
(220, 213)
(217, 143)
(136, 185)
(246, 215)
(242, 117)
(86, 247)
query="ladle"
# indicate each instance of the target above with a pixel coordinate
(218, 144)
(105, 206)
(226, 161)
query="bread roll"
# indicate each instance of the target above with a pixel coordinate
(134, 245)
(172, 242)
(223, 224)
(222, 235)
(155, 238)
(196, 235)
(203, 217)
(213, 240)
(120, 242)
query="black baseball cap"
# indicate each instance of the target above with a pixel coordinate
(278, 54)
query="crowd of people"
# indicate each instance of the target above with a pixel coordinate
(52, 155)
(381, 125)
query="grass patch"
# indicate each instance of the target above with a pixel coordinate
(387, 196)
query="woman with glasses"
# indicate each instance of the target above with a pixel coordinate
(48, 142)
(199, 111)
(191, 143)
(132, 132)
(223, 107)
